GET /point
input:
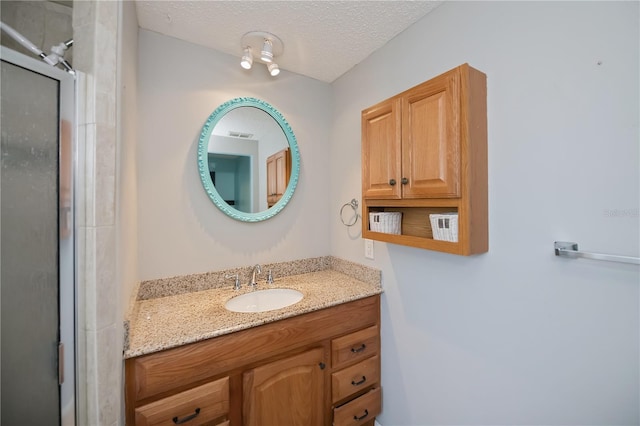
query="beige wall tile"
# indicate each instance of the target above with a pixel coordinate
(84, 14)
(104, 175)
(109, 341)
(106, 298)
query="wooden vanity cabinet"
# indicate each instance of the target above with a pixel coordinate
(425, 151)
(321, 368)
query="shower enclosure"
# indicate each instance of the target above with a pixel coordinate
(37, 243)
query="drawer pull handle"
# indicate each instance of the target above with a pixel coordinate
(366, 413)
(178, 421)
(354, 383)
(360, 349)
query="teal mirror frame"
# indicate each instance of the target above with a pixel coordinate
(203, 163)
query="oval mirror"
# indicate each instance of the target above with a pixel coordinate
(248, 159)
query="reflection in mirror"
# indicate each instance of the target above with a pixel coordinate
(242, 155)
(248, 159)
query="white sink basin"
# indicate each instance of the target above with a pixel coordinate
(264, 300)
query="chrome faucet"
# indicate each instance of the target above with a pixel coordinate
(258, 270)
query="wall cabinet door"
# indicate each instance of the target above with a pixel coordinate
(286, 392)
(431, 140)
(381, 150)
(411, 143)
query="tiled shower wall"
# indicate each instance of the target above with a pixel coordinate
(95, 31)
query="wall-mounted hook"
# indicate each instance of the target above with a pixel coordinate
(354, 205)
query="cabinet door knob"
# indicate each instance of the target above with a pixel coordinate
(392, 182)
(404, 181)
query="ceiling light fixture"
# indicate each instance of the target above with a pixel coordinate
(269, 46)
(247, 59)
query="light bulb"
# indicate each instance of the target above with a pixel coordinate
(266, 54)
(273, 69)
(247, 59)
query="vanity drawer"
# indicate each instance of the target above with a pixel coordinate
(355, 378)
(203, 404)
(355, 346)
(360, 411)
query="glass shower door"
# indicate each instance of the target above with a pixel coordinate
(36, 235)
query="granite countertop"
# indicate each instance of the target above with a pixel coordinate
(164, 322)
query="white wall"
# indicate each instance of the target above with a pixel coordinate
(180, 230)
(515, 336)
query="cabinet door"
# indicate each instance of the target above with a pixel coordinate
(431, 138)
(287, 392)
(281, 173)
(278, 172)
(381, 150)
(271, 181)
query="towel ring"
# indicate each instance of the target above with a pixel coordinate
(354, 205)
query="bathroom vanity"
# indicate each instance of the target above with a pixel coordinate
(316, 362)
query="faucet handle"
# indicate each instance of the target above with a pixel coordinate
(236, 285)
(269, 277)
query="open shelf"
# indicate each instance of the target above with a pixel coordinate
(416, 227)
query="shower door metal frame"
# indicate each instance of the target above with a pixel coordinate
(67, 243)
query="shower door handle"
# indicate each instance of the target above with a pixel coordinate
(60, 363)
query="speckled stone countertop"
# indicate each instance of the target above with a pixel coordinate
(168, 321)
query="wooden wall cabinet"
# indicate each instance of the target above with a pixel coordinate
(425, 151)
(315, 369)
(278, 173)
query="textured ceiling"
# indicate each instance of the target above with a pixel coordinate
(322, 39)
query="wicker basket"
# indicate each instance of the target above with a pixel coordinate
(444, 226)
(386, 222)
